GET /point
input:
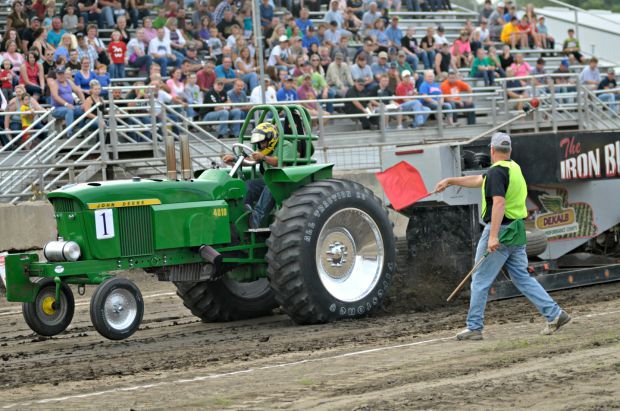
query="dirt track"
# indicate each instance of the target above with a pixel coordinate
(391, 361)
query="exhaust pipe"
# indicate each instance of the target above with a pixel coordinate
(186, 163)
(171, 158)
(211, 255)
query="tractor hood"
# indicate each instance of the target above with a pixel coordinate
(211, 185)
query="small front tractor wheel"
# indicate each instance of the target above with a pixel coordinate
(331, 252)
(46, 316)
(116, 308)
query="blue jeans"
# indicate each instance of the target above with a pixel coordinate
(258, 193)
(222, 117)
(145, 60)
(117, 70)
(415, 105)
(108, 15)
(163, 63)
(428, 58)
(487, 75)
(413, 60)
(413, 5)
(610, 99)
(250, 80)
(88, 17)
(69, 115)
(515, 260)
(331, 93)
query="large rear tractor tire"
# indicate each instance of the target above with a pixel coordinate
(331, 253)
(226, 299)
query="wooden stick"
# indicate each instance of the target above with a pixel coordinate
(467, 277)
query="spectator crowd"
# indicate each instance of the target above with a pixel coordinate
(202, 52)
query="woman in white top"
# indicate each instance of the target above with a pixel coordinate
(136, 49)
(246, 64)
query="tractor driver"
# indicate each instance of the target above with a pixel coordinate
(265, 135)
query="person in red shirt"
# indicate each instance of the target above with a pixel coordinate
(117, 50)
(452, 87)
(206, 76)
(6, 78)
(407, 88)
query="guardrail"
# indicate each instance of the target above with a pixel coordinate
(59, 159)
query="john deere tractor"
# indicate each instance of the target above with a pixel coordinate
(327, 254)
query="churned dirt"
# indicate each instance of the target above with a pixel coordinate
(397, 359)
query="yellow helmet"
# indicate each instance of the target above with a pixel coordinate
(265, 131)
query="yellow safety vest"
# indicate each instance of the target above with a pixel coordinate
(516, 194)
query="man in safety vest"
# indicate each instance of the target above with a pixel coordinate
(504, 193)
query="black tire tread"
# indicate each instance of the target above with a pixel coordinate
(209, 301)
(285, 242)
(30, 316)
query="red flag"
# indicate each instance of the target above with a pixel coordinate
(402, 184)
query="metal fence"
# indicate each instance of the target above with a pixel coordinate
(97, 145)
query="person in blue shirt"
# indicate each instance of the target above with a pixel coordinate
(303, 22)
(239, 95)
(287, 92)
(394, 34)
(266, 13)
(102, 76)
(310, 38)
(226, 72)
(430, 88)
(55, 34)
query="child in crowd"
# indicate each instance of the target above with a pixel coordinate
(27, 115)
(101, 74)
(70, 20)
(192, 94)
(215, 45)
(118, 54)
(6, 78)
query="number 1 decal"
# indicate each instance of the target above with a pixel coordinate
(104, 222)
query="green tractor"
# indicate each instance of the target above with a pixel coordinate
(328, 254)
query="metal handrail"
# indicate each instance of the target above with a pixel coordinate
(39, 120)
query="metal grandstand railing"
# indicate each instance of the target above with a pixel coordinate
(122, 142)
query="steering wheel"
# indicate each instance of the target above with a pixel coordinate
(242, 150)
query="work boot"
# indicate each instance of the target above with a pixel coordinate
(468, 334)
(560, 321)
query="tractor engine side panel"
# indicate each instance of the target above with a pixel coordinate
(191, 224)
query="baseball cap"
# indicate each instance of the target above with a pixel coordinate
(339, 55)
(61, 70)
(288, 78)
(34, 18)
(283, 38)
(406, 73)
(440, 29)
(402, 53)
(383, 55)
(564, 62)
(393, 64)
(359, 80)
(501, 140)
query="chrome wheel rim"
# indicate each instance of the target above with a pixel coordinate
(350, 254)
(58, 315)
(120, 309)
